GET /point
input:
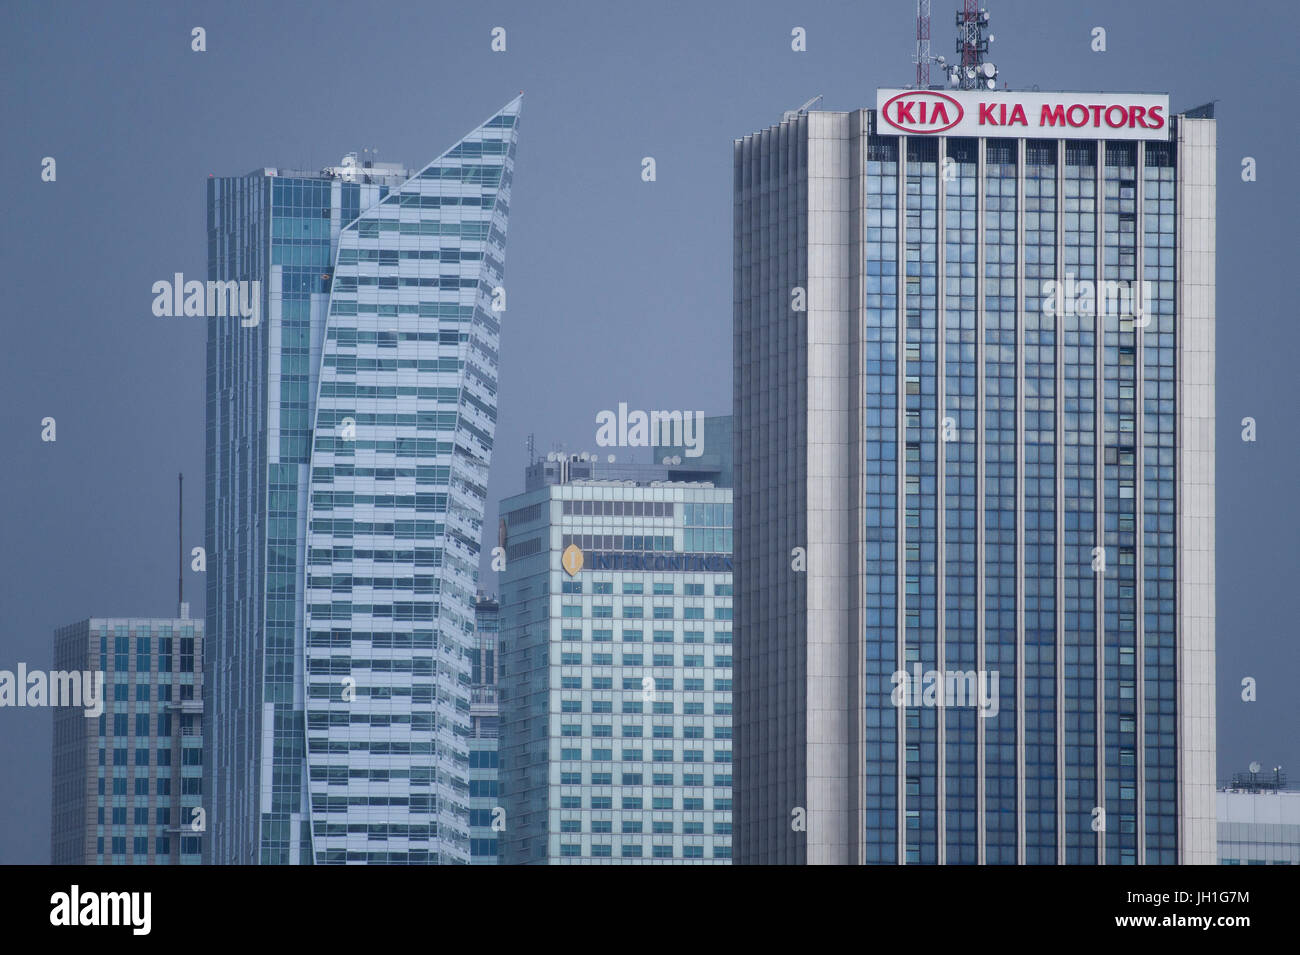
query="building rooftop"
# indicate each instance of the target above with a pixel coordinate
(349, 169)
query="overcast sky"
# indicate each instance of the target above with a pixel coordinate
(619, 290)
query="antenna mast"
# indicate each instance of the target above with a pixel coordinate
(180, 545)
(973, 73)
(922, 57)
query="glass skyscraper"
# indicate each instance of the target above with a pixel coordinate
(349, 433)
(990, 481)
(485, 731)
(616, 649)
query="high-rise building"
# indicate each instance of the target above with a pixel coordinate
(712, 457)
(974, 386)
(616, 655)
(1259, 820)
(128, 783)
(349, 432)
(485, 730)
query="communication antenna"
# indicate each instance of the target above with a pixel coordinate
(922, 56)
(180, 544)
(973, 73)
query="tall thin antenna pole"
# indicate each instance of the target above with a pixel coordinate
(180, 545)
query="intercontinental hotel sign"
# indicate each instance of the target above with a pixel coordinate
(574, 560)
(1031, 115)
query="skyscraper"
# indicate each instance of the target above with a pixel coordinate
(616, 648)
(128, 783)
(485, 732)
(974, 383)
(1259, 820)
(349, 433)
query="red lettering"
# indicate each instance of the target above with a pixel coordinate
(1052, 116)
(921, 112)
(934, 114)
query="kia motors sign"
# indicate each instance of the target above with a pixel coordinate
(1028, 115)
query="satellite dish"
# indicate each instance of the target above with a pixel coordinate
(993, 84)
(989, 69)
(1254, 767)
(970, 72)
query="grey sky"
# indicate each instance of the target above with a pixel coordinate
(619, 290)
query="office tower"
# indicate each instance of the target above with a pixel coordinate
(1258, 820)
(713, 462)
(993, 483)
(128, 784)
(616, 671)
(485, 723)
(349, 435)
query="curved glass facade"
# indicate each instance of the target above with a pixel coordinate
(349, 437)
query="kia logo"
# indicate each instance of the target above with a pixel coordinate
(922, 111)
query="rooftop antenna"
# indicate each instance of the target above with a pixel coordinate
(922, 56)
(531, 445)
(973, 73)
(181, 609)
